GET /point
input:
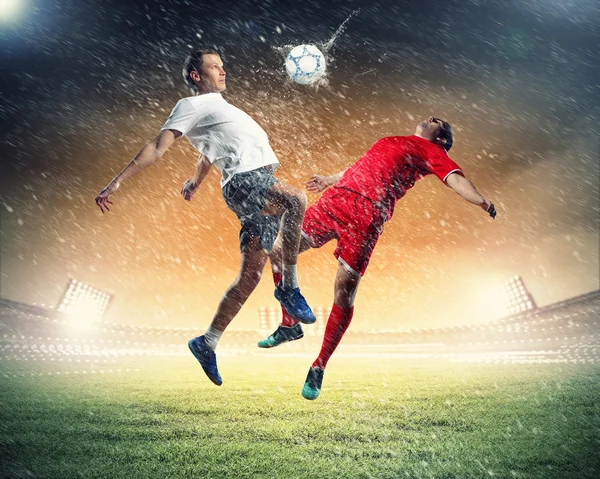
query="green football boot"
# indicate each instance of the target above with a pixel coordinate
(312, 386)
(282, 335)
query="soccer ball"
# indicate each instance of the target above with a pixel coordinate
(305, 64)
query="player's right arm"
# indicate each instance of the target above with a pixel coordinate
(318, 183)
(149, 154)
(191, 185)
(464, 188)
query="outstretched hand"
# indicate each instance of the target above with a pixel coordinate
(102, 200)
(188, 189)
(317, 183)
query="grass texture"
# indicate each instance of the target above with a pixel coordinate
(378, 418)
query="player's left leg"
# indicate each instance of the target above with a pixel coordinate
(318, 228)
(346, 285)
(289, 329)
(257, 193)
(291, 204)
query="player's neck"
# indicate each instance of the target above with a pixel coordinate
(424, 137)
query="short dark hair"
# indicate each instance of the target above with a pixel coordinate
(193, 62)
(446, 134)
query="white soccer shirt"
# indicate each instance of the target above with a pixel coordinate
(227, 136)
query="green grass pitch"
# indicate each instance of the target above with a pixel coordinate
(377, 418)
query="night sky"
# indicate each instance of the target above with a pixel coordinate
(85, 84)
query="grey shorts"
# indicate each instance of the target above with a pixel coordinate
(246, 195)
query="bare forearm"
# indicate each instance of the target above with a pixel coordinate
(467, 190)
(146, 156)
(192, 184)
(202, 169)
(151, 153)
(464, 188)
(333, 179)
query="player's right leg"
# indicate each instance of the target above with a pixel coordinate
(290, 202)
(254, 258)
(346, 285)
(359, 223)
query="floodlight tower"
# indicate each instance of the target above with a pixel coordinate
(322, 315)
(273, 318)
(268, 318)
(519, 297)
(262, 319)
(83, 302)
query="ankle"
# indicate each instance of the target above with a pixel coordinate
(212, 337)
(290, 276)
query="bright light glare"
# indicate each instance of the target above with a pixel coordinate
(84, 302)
(488, 300)
(86, 310)
(9, 9)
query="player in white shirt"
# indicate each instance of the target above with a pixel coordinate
(239, 148)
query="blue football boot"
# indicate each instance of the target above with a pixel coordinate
(206, 357)
(295, 304)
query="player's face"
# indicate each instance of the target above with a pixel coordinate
(430, 128)
(212, 76)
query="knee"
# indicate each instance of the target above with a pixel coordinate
(303, 200)
(275, 254)
(344, 300)
(345, 291)
(250, 279)
(297, 201)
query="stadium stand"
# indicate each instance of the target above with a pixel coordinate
(568, 331)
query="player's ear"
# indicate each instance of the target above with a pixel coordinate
(195, 76)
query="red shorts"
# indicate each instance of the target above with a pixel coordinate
(355, 221)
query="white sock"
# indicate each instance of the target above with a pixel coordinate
(211, 337)
(290, 276)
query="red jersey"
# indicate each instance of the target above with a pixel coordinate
(391, 167)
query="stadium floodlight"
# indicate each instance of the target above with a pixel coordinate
(273, 318)
(83, 303)
(268, 318)
(262, 319)
(320, 326)
(519, 298)
(322, 314)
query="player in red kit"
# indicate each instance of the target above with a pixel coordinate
(353, 211)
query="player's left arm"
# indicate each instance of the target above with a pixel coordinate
(318, 183)
(191, 185)
(466, 189)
